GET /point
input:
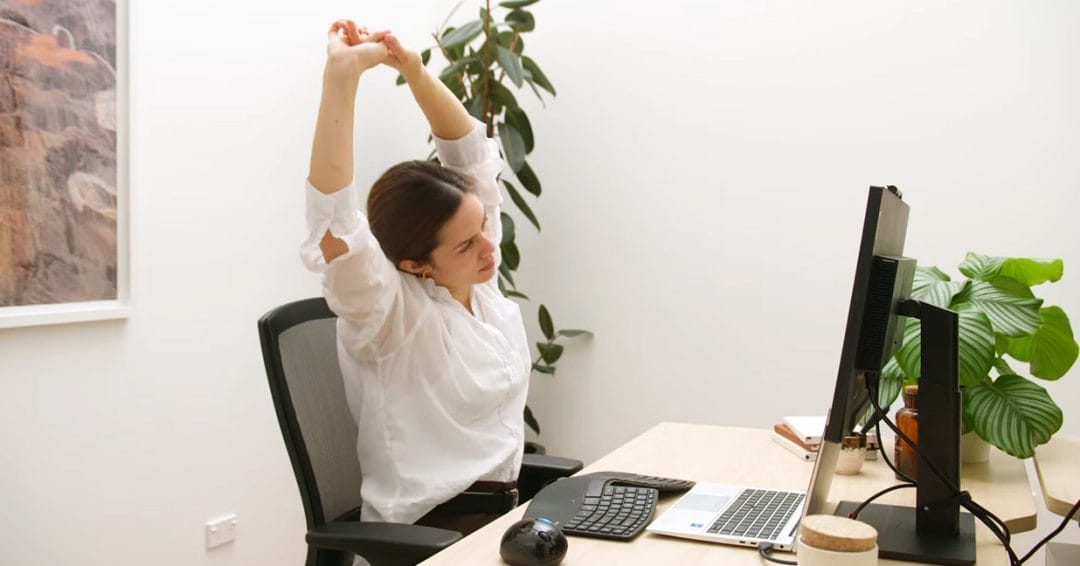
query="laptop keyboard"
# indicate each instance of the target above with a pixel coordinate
(757, 513)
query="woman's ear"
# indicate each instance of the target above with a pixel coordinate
(417, 268)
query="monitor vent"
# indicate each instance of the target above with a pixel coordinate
(875, 324)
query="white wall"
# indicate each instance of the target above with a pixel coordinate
(705, 166)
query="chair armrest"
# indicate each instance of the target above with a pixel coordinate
(383, 543)
(538, 470)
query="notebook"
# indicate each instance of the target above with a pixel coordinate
(734, 515)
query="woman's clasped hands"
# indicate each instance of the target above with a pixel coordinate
(354, 49)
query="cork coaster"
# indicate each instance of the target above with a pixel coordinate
(839, 534)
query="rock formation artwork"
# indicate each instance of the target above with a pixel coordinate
(58, 158)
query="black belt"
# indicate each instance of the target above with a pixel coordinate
(484, 497)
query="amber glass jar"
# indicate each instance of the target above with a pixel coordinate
(907, 420)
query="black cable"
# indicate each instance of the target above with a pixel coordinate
(855, 512)
(1053, 534)
(765, 548)
(884, 456)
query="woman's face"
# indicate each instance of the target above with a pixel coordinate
(465, 255)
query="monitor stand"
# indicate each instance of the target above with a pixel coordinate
(934, 531)
(898, 539)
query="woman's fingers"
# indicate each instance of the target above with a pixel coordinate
(352, 32)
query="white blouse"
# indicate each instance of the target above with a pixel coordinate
(436, 392)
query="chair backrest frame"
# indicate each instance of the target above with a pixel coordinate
(271, 326)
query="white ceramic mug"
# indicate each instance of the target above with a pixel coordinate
(813, 556)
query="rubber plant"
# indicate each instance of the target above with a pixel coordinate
(1002, 324)
(482, 55)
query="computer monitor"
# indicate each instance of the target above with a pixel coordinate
(936, 532)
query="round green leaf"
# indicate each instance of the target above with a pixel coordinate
(979, 266)
(1012, 309)
(511, 40)
(1053, 348)
(546, 325)
(502, 95)
(1013, 414)
(933, 286)
(521, 21)
(975, 348)
(1032, 271)
(550, 353)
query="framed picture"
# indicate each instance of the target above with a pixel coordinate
(64, 222)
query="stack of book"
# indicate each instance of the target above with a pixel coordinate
(802, 437)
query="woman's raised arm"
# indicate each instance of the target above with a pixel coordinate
(444, 112)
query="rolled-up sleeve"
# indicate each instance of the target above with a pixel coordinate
(362, 284)
(477, 156)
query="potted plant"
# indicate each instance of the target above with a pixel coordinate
(485, 56)
(1002, 325)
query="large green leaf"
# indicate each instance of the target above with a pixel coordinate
(531, 420)
(513, 145)
(511, 63)
(528, 179)
(537, 75)
(976, 347)
(547, 326)
(521, 204)
(979, 266)
(510, 255)
(1032, 271)
(517, 118)
(508, 228)
(1012, 309)
(503, 96)
(462, 35)
(933, 286)
(1053, 347)
(1013, 414)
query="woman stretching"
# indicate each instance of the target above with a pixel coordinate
(434, 358)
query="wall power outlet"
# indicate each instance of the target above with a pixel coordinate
(221, 530)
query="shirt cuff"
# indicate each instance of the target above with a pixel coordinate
(467, 151)
(338, 212)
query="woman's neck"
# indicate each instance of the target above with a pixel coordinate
(463, 295)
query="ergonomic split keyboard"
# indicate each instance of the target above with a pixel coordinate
(608, 505)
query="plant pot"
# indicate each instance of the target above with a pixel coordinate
(973, 449)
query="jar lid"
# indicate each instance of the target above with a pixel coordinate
(839, 534)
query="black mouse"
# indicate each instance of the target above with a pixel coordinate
(533, 542)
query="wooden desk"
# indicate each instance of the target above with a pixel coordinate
(746, 456)
(1057, 463)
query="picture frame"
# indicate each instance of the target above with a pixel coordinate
(67, 260)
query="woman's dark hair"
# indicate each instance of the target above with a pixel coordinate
(409, 204)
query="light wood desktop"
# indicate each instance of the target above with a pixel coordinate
(1057, 463)
(747, 457)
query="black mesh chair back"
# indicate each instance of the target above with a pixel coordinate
(299, 349)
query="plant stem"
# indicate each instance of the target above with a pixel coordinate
(488, 118)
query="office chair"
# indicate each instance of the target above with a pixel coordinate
(300, 352)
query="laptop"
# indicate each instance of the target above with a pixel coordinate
(731, 514)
